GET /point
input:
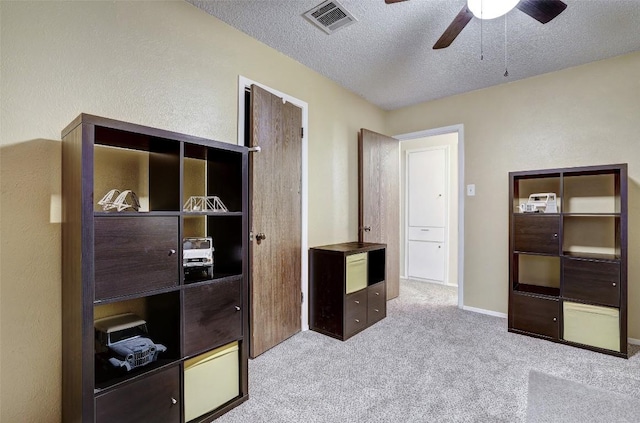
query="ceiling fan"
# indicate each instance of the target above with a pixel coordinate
(541, 10)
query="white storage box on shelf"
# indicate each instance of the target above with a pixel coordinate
(210, 380)
(356, 272)
(592, 325)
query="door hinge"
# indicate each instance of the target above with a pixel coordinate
(301, 297)
(302, 132)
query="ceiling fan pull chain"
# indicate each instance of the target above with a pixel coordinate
(481, 52)
(506, 70)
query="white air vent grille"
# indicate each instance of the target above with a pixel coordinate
(330, 16)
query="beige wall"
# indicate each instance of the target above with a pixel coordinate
(585, 115)
(450, 140)
(161, 64)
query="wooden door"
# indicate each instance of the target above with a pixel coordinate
(379, 199)
(276, 207)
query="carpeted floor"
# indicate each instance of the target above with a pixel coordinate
(428, 361)
(552, 399)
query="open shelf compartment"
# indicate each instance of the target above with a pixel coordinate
(211, 172)
(148, 166)
(526, 185)
(161, 313)
(536, 274)
(591, 236)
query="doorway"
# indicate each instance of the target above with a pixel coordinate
(451, 242)
(264, 305)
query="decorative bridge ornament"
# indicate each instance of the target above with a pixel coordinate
(204, 203)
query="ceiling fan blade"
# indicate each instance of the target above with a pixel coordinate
(458, 24)
(542, 10)
(393, 1)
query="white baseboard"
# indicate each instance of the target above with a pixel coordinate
(633, 341)
(483, 311)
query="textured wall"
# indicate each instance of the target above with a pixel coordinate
(581, 116)
(160, 64)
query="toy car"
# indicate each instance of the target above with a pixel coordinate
(540, 203)
(197, 256)
(123, 340)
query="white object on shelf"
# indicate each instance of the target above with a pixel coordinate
(204, 203)
(544, 202)
(120, 203)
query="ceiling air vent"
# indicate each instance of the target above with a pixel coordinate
(330, 16)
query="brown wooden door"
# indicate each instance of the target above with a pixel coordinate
(379, 199)
(275, 189)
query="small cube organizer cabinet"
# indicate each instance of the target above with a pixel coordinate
(568, 268)
(347, 291)
(117, 262)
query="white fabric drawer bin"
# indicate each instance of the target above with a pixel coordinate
(210, 380)
(356, 272)
(592, 325)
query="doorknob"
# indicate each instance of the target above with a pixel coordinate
(260, 236)
(367, 228)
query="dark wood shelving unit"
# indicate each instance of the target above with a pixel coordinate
(336, 308)
(568, 269)
(131, 261)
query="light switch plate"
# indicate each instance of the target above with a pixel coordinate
(471, 190)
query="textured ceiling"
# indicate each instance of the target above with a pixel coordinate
(387, 56)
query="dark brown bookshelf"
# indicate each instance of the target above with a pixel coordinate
(131, 261)
(568, 269)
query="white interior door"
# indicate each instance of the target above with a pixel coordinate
(427, 191)
(427, 188)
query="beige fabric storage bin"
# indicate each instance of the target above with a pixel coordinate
(592, 325)
(210, 380)
(356, 272)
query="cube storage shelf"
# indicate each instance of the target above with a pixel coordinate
(129, 261)
(347, 288)
(568, 270)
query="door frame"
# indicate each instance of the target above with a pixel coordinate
(459, 130)
(243, 84)
(447, 222)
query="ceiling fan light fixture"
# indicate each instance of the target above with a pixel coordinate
(491, 9)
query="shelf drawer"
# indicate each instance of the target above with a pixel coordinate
(376, 303)
(355, 312)
(135, 254)
(593, 281)
(535, 315)
(212, 315)
(536, 233)
(426, 234)
(592, 325)
(152, 399)
(210, 380)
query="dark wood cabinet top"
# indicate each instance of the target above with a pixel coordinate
(351, 247)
